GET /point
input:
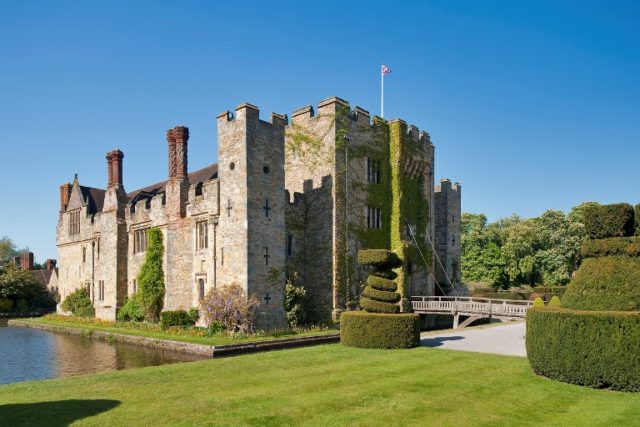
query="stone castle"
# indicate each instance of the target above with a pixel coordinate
(299, 196)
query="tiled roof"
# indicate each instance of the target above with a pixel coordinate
(200, 175)
(42, 276)
(95, 198)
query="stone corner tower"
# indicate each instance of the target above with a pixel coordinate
(252, 208)
(447, 213)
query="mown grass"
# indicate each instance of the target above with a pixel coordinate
(190, 335)
(323, 385)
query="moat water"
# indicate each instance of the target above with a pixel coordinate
(31, 354)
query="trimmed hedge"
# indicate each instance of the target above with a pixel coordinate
(628, 246)
(385, 274)
(604, 221)
(608, 283)
(376, 330)
(381, 284)
(380, 258)
(382, 296)
(374, 306)
(595, 349)
(178, 318)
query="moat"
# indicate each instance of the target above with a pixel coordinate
(31, 354)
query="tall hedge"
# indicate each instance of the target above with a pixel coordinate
(629, 246)
(606, 283)
(595, 349)
(604, 221)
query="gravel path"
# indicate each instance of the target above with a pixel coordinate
(507, 339)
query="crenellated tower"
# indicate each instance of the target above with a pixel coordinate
(252, 221)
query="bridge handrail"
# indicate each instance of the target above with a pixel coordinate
(491, 301)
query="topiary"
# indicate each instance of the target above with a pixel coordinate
(538, 302)
(605, 283)
(554, 302)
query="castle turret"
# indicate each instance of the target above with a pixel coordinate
(252, 198)
(447, 212)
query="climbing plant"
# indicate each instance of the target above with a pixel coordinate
(151, 288)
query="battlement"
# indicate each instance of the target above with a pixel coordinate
(307, 189)
(446, 186)
(332, 105)
(246, 112)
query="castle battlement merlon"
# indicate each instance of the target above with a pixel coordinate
(446, 186)
(248, 112)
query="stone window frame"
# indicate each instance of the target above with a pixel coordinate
(100, 290)
(373, 170)
(74, 222)
(373, 217)
(202, 235)
(140, 240)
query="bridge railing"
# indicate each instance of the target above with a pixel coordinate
(471, 305)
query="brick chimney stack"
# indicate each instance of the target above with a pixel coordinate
(177, 139)
(50, 264)
(26, 261)
(114, 169)
(65, 193)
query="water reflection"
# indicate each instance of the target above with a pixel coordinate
(32, 354)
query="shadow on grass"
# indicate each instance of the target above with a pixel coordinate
(438, 341)
(57, 413)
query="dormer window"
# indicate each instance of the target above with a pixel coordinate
(74, 222)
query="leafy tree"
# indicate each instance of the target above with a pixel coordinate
(23, 289)
(151, 288)
(8, 250)
(514, 251)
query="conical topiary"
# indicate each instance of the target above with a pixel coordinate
(380, 295)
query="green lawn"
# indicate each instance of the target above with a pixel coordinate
(323, 385)
(154, 331)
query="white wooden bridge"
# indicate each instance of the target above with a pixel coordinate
(471, 307)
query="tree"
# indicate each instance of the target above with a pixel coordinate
(8, 250)
(151, 288)
(23, 289)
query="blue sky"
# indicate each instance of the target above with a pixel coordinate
(531, 105)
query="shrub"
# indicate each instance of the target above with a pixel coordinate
(6, 305)
(637, 214)
(131, 310)
(79, 304)
(179, 318)
(604, 221)
(294, 302)
(377, 330)
(629, 246)
(380, 258)
(151, 277)
(608, 283)
(538, 302)
(595, 349)
(194, 315)
(554, 301)
(230, 306)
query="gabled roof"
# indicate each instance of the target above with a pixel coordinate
(204, 174)
(94, 197)
(42, 276)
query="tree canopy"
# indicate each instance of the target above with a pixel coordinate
(514, 251)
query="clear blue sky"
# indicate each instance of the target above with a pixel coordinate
(531, 105)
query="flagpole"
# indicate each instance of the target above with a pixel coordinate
(382, 94)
